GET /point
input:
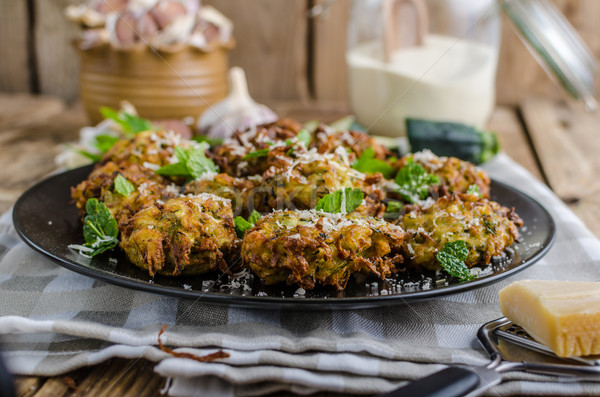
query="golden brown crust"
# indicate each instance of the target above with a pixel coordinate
(306, 248)
(186, 235)
(149, 188)
(456, 176)
(486, 227)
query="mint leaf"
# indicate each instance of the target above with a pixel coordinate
(192, 163)
(256, 154)
(254, 217)
(123, 186)
(99, 229)
(304, 137)
(452, 258)
(474, 189)
(198, 164)
(394, 208)
(177, 169)
(368, 164)
(129, 123)
(105, 142)
(211, 141)
(92, 156)
(414, 181)
(341, 201)
(241, 225)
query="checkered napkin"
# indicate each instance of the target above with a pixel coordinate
(54, 320)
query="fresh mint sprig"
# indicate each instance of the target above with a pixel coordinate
(414, 182)
(452, 259)
(192, 163)
(241, 224)
(368, 164)
(99, 230)
(341, 201)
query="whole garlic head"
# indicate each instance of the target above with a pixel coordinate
(236, 112)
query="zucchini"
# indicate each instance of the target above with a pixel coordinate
(452, 139)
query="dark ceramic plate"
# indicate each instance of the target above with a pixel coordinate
(46, 219)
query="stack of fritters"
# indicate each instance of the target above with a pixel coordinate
(276, 170)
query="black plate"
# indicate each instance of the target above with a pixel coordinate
(46, 219)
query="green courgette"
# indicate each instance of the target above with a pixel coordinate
(452, 139)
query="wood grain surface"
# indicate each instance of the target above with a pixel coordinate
(14, 47)
(287, 55)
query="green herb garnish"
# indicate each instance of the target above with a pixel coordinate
(368, 164)
(452, 258)
(414, 182)
(256, 154)
(490, 225)
(99, 229)
(241, 225)
(129, 123)
(123, 186)
(341, 201)
(192, 163)
(304, 137)
(393, 208)
(474, 189)
(211, 141)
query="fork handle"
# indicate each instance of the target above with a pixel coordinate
(450, 382)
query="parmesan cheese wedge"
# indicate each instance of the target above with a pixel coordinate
(563, 315)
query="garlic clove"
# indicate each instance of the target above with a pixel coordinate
(166, 12)
(124, 30)
(236, 112)
(147, 27)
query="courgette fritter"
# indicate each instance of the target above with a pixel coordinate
(187, 235)
(148, 188)
(486, 227)
(299, 182)
(242, 192)
(231, 156)
(152, 149)
(306, 248)
(456, 176)
(325, 140)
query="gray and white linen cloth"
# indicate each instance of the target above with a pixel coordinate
(54, 320)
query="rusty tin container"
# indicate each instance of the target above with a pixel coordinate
(159, 84)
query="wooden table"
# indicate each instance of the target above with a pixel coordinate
(555, 141)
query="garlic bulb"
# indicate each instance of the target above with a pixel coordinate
(236, 112)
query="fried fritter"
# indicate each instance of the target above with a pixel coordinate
(187, 235)
(149, 188)
(150, 148)
(455, 175)
(299, 182)
(327, 141)
(241, 191)
(486, 227)
(230, 155)
(306, 248)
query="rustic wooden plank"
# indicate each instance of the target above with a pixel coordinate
(121, 377)
(564, 145)
(519, 75)
(513, 140)
(329, 71)
(14, 34)
(271, 45)
(31, 131)
(27, 386)
(21, 110)
(57, 62)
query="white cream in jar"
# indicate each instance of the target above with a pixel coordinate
(445, 79)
